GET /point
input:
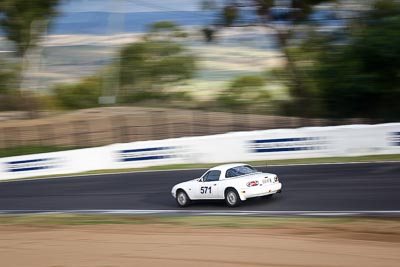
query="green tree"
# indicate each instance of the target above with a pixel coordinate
(244, 92)
(83, 94)
(146, 68)
(362, 77)
(230, 16)
(7, 76)
(7, 82)
(22, 21)
(142, 71)
(165, 30)
(151, 64)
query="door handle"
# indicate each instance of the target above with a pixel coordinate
(215, 184)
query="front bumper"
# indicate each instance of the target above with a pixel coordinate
(259, 191)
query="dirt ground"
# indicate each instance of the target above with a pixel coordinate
(169, 245)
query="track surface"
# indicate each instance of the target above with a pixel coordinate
(334, 187)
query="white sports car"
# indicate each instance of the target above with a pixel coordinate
(232, 182)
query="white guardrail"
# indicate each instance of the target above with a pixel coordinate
(309, 142)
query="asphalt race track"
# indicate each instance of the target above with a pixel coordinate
(333, 187)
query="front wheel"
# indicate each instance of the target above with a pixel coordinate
(232, 198)
(182, 199)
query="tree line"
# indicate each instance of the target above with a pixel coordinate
(350, 72)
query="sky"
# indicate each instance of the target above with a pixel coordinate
(129, 5)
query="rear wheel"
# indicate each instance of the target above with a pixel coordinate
(232, 198)
(182, 198)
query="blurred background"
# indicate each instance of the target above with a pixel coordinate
(82, 73)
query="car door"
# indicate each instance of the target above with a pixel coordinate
(209, 187)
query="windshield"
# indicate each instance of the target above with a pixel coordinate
(240, 170)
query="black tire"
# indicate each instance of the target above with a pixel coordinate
(182, 199)
(232, 198)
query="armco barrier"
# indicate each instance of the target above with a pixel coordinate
(336, 141)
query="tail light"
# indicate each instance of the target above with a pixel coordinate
(252, 183)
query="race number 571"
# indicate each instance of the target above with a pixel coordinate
(205, 190)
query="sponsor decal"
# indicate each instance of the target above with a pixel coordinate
(32, 164)
(151, 153)
(394, 138)
(287, 144)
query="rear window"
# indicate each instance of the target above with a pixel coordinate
(239, 170)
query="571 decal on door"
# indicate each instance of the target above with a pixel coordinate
(205, 189)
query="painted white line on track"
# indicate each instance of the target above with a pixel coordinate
(210, 212)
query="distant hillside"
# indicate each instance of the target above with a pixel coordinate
(101, 22)
(137, 22)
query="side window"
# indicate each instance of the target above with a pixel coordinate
(231, 173)
(212, 176)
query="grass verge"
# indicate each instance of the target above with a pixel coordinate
(196, 221)
(27, 150)
(373, 229)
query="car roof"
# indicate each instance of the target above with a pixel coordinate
(225, 167)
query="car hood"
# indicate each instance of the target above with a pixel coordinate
(184, 183)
